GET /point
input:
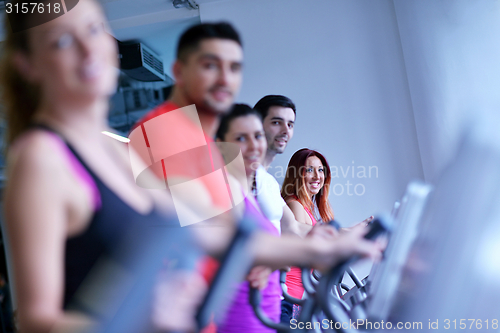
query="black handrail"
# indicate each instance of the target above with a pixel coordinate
(255, 299)
(377, 227)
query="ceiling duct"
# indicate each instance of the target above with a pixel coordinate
(189, 4)
(140, 62)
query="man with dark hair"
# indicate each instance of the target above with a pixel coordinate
(208, 74)
(190, 40)
(278, 114)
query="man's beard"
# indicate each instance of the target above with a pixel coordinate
(276, 150)
(206, 105)
(215, 109)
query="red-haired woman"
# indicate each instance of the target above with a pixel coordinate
(305, 190)
(306, 186)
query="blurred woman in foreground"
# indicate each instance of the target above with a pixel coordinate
(69, 193)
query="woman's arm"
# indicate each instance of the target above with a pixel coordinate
(291, 226)
(299, 212)
(36, 212)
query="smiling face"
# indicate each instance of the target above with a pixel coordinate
(248, 134)
(278, 126)
(314, 175)
(211, 76)
(72, 58)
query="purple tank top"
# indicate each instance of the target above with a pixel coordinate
(240, 316)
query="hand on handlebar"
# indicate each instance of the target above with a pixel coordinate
(259, 277)
(345, 246)
(367, 221)
(177, 296)
(324, 231)
(363, 223)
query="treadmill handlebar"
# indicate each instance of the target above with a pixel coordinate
(255, 299)
(378, 226)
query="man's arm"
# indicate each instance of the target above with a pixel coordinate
(191, 204)
(215, 228)
(320, 251)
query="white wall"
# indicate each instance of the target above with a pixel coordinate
(452, 54)
(342, 64)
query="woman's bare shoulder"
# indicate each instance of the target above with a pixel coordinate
(292, 200)
(36, 154)
(297, 210)
(35, 145)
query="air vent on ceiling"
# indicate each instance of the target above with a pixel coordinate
(140, 62)
(189, 4)
(152, 61)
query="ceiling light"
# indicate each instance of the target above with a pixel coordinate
(116, 136)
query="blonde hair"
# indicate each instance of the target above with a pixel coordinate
(20, 97)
